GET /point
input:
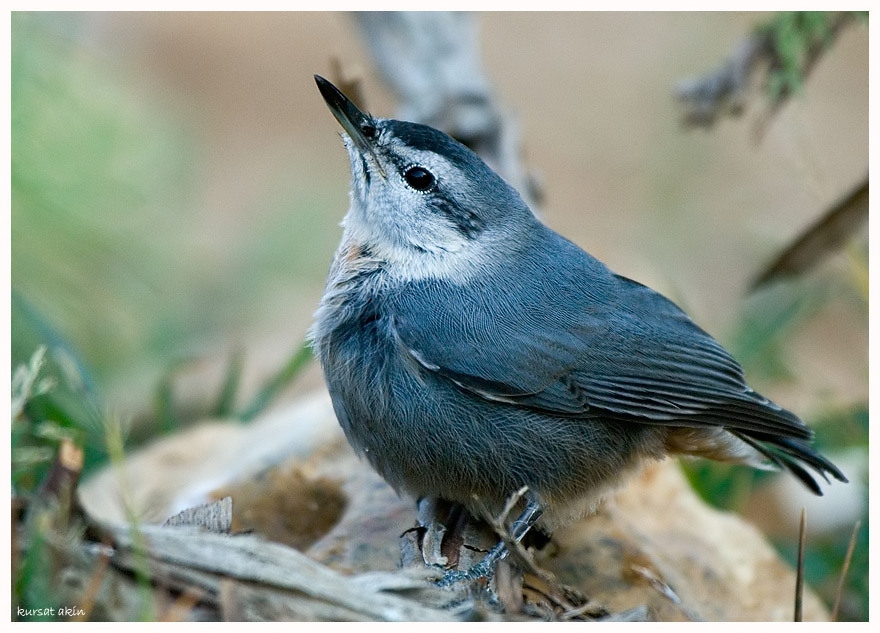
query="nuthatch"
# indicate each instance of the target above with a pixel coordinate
(470, 351)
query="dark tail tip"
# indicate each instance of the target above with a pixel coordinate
(793, 455)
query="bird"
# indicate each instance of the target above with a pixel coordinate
(471, 352)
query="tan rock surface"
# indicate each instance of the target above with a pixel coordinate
(294, 480)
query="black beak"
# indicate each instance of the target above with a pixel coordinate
(359, 126)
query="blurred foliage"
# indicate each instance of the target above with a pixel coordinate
(99, 274)
(279, 381)
(94, 174)
(29, 457)
(792, 35)
(767, 321)
(836, 430)
(822, 569)
(116, 445)
(100, 251)
(35, 448)
(782, 51)
(33, 579)
(796, 39)
(45, 474)
(105, 254)
(61, 403)
(770, 319)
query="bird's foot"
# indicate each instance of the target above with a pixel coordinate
(484, 569)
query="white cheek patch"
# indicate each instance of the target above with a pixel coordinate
(395, 222)
(405, 257)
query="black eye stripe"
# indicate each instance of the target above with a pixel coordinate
(419, 178)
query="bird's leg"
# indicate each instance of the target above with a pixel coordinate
(429, 511)
(486, 567)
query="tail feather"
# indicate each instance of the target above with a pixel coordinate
(792, 455)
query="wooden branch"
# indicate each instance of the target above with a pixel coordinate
(820, 239)
(297, 586)
(431, 61)
(725, 90)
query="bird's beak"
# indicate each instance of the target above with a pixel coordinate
(359, 126)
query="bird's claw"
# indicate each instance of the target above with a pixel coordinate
(484, 569)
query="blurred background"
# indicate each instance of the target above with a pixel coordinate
(178, 183)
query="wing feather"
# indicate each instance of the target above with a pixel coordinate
(564, 335)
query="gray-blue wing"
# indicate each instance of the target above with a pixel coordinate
(563, 334)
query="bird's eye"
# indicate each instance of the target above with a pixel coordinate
(419, 178)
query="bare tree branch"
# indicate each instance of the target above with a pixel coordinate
(779, 55)
(821, 239)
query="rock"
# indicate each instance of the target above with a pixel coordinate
(293, 479)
